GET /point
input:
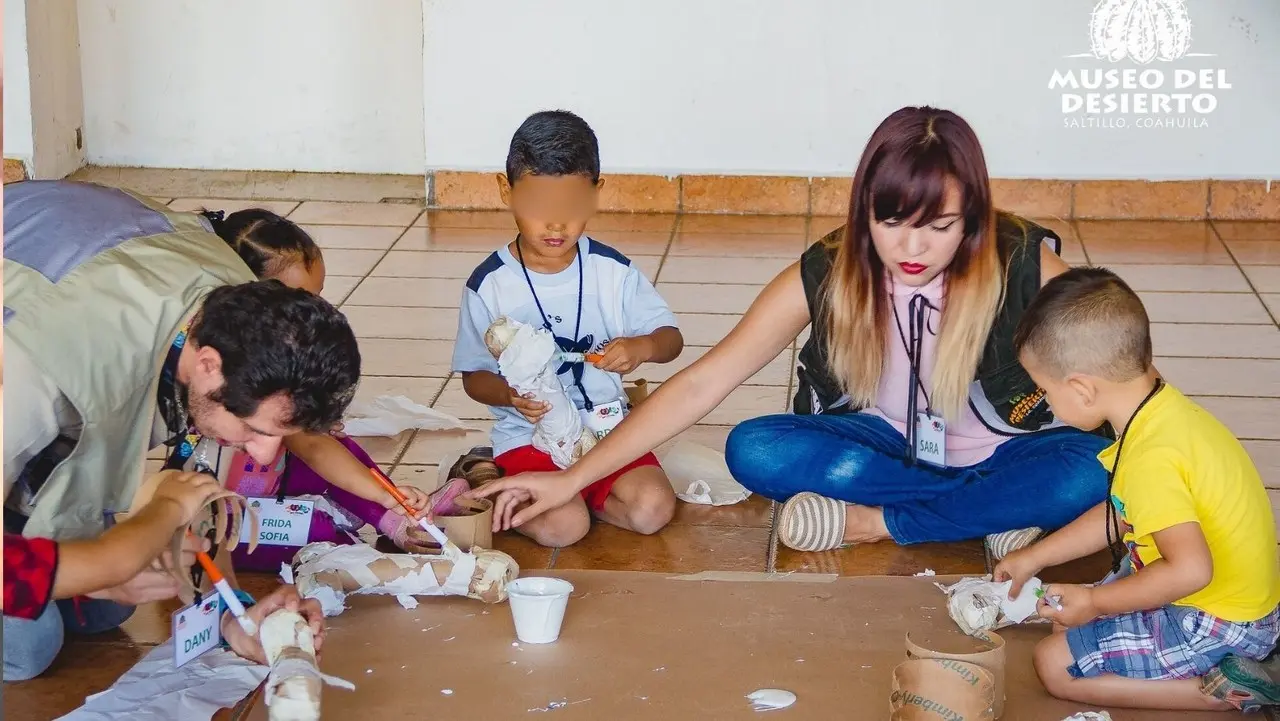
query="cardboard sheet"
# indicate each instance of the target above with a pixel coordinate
(643, 646)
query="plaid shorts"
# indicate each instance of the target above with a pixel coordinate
(1169, 642)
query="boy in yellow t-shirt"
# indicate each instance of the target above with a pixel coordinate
(1184, 626)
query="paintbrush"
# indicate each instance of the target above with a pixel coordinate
(1055, 600)
(567, 357)
(447, 546)
(224, 590)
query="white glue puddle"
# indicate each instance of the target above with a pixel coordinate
(769, 699)
(446, 691)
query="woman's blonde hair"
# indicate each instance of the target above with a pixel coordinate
(906, 169)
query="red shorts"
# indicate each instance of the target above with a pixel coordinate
(527, 459)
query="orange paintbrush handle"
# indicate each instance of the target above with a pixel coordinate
(206, 563)
(390, 487)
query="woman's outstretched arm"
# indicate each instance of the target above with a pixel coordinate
(774, 320)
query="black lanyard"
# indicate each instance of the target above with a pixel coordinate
(917, 325)
(169, 396)
(1117, 556)
(568, 346)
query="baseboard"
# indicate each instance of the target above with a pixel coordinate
(14, 170)
(783, 195)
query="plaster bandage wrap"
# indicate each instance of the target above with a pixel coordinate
(979, 604)
(221, 518)
(293, 686)
(528, 358)
(329, 573)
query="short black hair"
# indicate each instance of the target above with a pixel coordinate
(554, 142)
(1087, 320)
(275, 339)
(266, 242)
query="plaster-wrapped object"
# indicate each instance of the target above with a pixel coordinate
(329, 573)
(528, 358)
(293, 687)
(980, 604)
(223, 516)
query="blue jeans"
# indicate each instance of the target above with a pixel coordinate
(31, 646)
(1045, 479)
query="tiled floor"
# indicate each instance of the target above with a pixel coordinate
(1213, 291)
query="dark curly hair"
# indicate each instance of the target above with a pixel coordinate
(275, 339)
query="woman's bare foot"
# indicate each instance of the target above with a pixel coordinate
(864, 524)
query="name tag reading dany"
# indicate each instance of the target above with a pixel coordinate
(286, 523)
(196, 629)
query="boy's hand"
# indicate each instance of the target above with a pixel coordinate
(1077, 604)
(532, 410)
(1018, 567)
(250, 647)
(623, 355)
(189, 491)
(418, 500)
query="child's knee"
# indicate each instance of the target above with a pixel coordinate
(559, 528)
(652, 511)
(1051, 659)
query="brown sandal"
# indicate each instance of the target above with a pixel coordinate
(476, 467)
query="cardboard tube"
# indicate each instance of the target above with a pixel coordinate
(964, 683)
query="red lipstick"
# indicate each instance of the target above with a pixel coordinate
(913, 268)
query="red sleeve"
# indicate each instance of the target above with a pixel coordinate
(29, 568)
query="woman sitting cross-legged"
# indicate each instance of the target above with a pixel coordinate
(913, 420)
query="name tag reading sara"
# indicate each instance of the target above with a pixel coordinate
(931, 439)
(196, 630)
(285, 523)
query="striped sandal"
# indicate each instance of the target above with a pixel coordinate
(809, 522)
(1000, 545)
(1244, 683)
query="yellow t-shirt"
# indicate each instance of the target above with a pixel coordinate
(1180, 464)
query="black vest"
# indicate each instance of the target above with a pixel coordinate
(1009, 402)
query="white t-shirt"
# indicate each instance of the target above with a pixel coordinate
(618, 301)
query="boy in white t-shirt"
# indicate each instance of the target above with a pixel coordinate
(592, 299)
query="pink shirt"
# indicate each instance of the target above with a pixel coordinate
(968, 441)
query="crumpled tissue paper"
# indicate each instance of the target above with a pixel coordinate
(390, 415)
(153, 690)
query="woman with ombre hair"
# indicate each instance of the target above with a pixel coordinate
(913, 420)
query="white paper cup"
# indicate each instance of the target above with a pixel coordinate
(537, 606)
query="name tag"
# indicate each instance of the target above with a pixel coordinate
(279, 524)
(196, 630)
(931, 439)
(602, 419)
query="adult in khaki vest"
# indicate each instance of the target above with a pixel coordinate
(129, 327)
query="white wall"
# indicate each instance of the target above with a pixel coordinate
(57, 97)
(18, 142)
(797, 86)
(314, 85)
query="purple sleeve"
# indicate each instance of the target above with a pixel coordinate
(302, 479)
